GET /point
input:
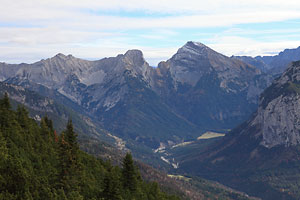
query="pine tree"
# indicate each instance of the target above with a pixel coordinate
(5, 112)
(3, 158)
(69, 159)
(71, 138)
(3, 148)
(129, 174)
(64, 163)
(48, 122)
(5, 103)
(112, 185)
(22, 116)
(47, 129)
(154, 192)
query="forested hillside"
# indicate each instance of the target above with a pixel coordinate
(38, 163)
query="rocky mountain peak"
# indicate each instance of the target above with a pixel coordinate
(134, 52)
(195, 60)
(133, 60)
(194, 48)
(63, 57)
(196, 45)
(189, 64)
(134, 57)
(60, 55)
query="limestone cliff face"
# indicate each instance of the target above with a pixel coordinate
(278, 115)
(280, 121)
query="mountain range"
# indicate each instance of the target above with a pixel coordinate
(198, 89)
(159, 112)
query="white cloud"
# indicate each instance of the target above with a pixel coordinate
(233, 45)
(154, 6)
(34, 29)
(77, 14)
(33, 53)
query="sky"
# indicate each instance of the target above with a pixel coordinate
(31, 30)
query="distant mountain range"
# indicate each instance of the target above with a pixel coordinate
(273, 64)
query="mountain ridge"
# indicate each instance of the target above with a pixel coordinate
(200, 91)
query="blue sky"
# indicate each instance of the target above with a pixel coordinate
(31, 30)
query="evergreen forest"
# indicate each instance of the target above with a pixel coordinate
(38, 163)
